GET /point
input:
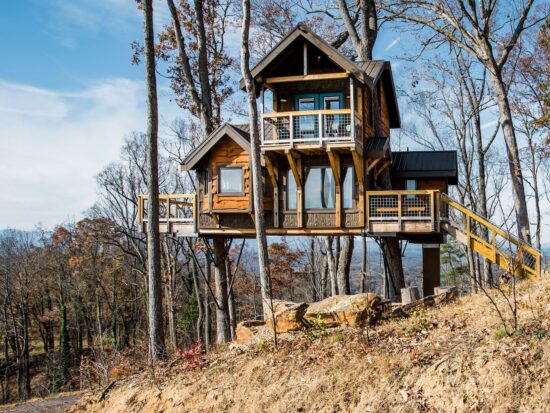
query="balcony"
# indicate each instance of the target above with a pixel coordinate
(403, 211)
(177, 214)
(315, 128)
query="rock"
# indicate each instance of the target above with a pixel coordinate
(444, 288)
(246, 330)
(423, 303)
(352, 310)
(289, 316)
(409, 295)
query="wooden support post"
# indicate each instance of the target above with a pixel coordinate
(273, 173)
(431, 276)
(358, 166)
(295, 163)
(334, 159)
(373, 164)
(381, 168)
(352, 107)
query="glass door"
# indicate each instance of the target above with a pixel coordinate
(306, 126)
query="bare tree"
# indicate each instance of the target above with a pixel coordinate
(257, 187)
(488, 30)
(156, 322)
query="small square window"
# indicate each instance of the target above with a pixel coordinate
(230, 180)
(410, 184)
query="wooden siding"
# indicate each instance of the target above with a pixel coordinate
(228, 153)
(423, 184)
(384, 113)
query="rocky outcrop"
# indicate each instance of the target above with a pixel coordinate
(246, 330)
(289, 316)
(351, 310)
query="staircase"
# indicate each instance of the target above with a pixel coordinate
(488, 240)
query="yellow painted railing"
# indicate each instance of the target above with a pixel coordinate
(490, 241)
(173, 208)
(399, 206)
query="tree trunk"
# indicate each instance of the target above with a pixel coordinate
(197, 291)
(346, 255)
(331, 266)
(220, 278)
(516, 174)
(363, 264)
(232, 310)
(156, 325)
(257, 187)
(392, 253)
(207, 320)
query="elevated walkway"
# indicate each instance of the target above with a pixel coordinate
(388, 213)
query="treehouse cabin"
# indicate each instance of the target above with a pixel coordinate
(325, 125)
(327, 163)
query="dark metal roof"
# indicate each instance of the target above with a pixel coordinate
(425, 164)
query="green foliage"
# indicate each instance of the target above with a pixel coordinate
(316, 330)
(502, 332)
(189, 313)
(453, 260)
(263, 343)
(417, 323)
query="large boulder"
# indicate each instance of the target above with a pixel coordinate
(351, 310)
(246, 330)
(289, 316)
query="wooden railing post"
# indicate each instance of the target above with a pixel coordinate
(399, 212)
(321, 126)
(291, 118)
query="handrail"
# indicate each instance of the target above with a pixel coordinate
(532, 268)
(307, 113)
(399, 206)
(168, 200)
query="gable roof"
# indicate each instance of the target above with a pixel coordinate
(425, 164)
(305, 32)
(239, 133)
(368, 72)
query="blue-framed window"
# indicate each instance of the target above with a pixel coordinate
(307, 126)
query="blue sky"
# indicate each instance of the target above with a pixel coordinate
(69, 94)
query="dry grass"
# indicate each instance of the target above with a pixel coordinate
(448, 359)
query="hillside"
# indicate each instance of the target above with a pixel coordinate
(449, 359)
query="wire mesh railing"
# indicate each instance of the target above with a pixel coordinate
(492, 242)
(399, 206)
(316, 126)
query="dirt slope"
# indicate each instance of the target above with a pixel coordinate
(448, 359)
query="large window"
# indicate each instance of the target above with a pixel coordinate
(348, 187)
(291, 189)
(320, 188)
(230, 180)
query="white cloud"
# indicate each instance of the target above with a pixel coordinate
(393, 43)
(53, 144)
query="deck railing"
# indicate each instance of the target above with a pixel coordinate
(314, 127)
(397, 207)
(173, 209)
(492, 242)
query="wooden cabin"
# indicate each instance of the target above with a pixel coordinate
(325, 133)
(328, 167)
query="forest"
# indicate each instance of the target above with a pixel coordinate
(79, 298)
